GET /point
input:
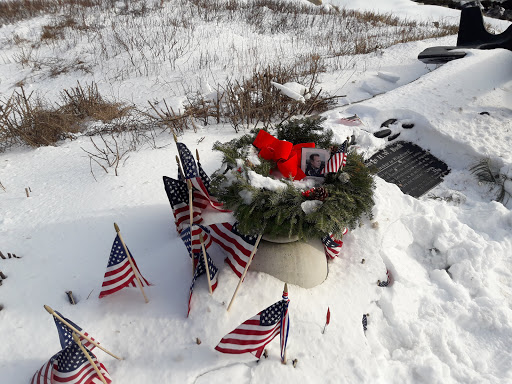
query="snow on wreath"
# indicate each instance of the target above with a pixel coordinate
(261, 180)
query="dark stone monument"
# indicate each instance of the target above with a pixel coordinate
(472, 34)
(407, 165)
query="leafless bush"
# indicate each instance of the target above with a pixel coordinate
(112, 142)
(250, 101)
(89, 103)
(30, 120)
(108, 151)
(178, 122)
(254, 100)
(25, 119)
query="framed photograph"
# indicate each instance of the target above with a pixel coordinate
(313, 161)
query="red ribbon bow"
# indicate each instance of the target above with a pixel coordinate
(287, 155)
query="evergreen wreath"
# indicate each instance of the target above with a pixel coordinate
(285, 207)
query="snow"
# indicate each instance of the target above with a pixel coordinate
(288, 92)
(447, 317)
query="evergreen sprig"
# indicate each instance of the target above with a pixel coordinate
(307, 130)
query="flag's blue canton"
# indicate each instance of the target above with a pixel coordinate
(65, 334)
(177, 191)
(187, 239)
(204, 177)
(117, 253)
(187, 161)
(329, 242)
(211, 267)
(272, 314)
(250, 239)
(70, 358)
(383, 283)
(365, 323)
(201, 270)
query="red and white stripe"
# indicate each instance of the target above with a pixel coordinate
(86, 343)
(249, 336)
(335, 251)
(120, 276)
(196, 241)
(85, 374)
(238, 250)
(201, 195)
(44, 374)
(182, 216)
(337, 161)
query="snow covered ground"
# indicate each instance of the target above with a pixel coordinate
(447, 317)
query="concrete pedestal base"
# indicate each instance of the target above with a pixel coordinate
(297, 262)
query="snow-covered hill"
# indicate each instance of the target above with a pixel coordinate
(447, 317)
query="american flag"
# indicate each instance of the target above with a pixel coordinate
(66, 334)
(177, 193)
(201, 270)
(44, 374)
(237, 245)
(365, 323)
(338, 160)
(332, 245)
(351, 121)
(192, 173)
(254, 334)
(388, 280)
(72, 367)
(119, 272)
(193, 243)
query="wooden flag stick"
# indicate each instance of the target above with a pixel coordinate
(206, 263)
(245, 270)
(180, 170)
(77, 340)
(283, 360)
(131, 262)
(197, 154)
(191, 218)
(52, 312)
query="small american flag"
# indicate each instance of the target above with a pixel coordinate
(351, 121)
(237, 245)
(119, 272)
(338, 160)
(254, 334)
(388, 280)
(192, 173)
(177, 193)
(72, 367)
(66, 334)
(201, 270)
(365, 322)
(332, 246)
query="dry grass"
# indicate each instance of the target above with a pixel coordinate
(30, 120)
(25, 119)
(88, 103)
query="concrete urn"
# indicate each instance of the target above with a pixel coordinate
(302, 263)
